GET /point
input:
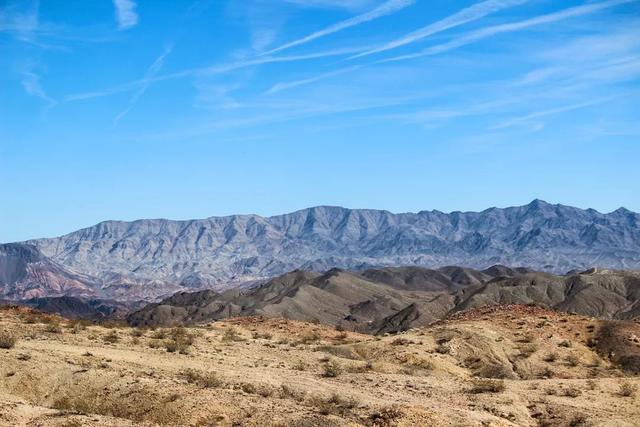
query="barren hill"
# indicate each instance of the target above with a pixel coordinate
(393, 299)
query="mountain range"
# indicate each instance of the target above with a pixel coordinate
(150, 259)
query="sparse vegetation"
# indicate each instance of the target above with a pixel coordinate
(53, 328)
(7, 340)
(237, 377)
(230, 335)
(487, 386)
(179, 340)
(627, 389)
(207, 379)
(335, 404)
(331, 369)
(112, 337)
(572, 360)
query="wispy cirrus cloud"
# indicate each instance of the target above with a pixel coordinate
(531, 117)
(210, 70)
(483, 33)
(31, 84)
(279, 87)
(21, 19)
(466, 15)
(333, 4)
(126, 14)
(386, 8)
(151, 72)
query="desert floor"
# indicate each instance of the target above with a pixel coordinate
(510, 366)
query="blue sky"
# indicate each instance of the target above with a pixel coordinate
(186, 109)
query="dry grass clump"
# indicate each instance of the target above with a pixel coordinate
(627, 389)
(299, 365)
(487, 386)
(310, 337)
(112, 337)
(208, 379)
(551, 357)
(7, 340)
(333, 405)
(137, 332)
(331, 369)
(401, 341)
(261, 335)
(384, 417)
(288, 392)
(526, 350)
(160, 334)
(180, 340)
(263, 390)
(572, 391)
(230, 335)
(491, 369)
(53, 328)
(572, 360)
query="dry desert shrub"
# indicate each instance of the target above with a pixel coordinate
(53, 328)
(331, 369)
(299, 365)
(180, 340)
(385, 417)
(261, 335)
(264, 390)
(160, 334)
(526, 350)
(572, 391)
(112, 337)
(230, 335)
(310, 337)
(7, 340)
(400, 341)
(487, 386)
(288, 392)
(335, 404)
(627, 389)
(207, 379)
(572, 360)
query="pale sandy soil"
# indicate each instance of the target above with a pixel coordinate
(270, 373)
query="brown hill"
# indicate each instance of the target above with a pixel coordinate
(395, 299)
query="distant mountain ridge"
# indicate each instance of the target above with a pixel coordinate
(150, 258)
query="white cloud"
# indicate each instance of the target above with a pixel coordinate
(31, 85)
(125, 13)
(279, 87)
(151, 72)
(387, 8)
(469, 14)
(333, 4)
(483, 33)
(210, 70)
(529, 118)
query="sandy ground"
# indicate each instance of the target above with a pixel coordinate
(273, 372)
